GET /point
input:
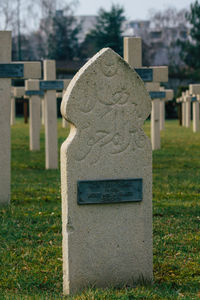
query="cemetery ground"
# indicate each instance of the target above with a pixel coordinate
(30, 229)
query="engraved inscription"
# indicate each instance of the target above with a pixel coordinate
(109, 191)
(109, 110)
(109, 66)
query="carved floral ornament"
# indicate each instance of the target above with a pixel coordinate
(108, 103)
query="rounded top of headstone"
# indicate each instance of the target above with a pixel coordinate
(103, 85)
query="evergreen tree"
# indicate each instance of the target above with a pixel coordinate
(62, 40)
(191, 49)
(108, 29)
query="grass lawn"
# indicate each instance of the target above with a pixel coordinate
(30, 229)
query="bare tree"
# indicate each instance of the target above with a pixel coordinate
(53, 12)
(167, 27)
(7, 14)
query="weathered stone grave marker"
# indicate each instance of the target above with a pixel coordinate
(154, 75)
(106, 174)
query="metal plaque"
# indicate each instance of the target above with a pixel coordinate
(11, 70)
(52, 85)
(109, 191)
(194, 99)
(157, 95)
(146, 74)
(33, 93)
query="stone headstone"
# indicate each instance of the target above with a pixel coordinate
(106, 175)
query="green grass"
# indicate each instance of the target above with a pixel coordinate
(30, 229)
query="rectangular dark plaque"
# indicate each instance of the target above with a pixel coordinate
(109, 191)
(33, 93)
(11, 70)
(146, 74)
(52, 85)
(157, 95)
(194, 99)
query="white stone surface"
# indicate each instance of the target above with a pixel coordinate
(155, 124)
(5, 109)
(160, 74)
(106, 245)
(34, 127)
(18, 91)
(155, 116)
(34, 112)
(194, 90)
(133, 51)
(50, 112)
(32, 69)
(187, 111)
(195, 107)
(13, 111)
(42, 112)
(64, 123)
(162, 114)
(183, 113)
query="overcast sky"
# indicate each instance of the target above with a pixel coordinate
(134, 9)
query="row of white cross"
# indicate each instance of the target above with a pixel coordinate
(192, 95)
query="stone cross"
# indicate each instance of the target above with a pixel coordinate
(34, 94)
(133, 55)
(9, 70)
(194, 90)
(106, 177)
